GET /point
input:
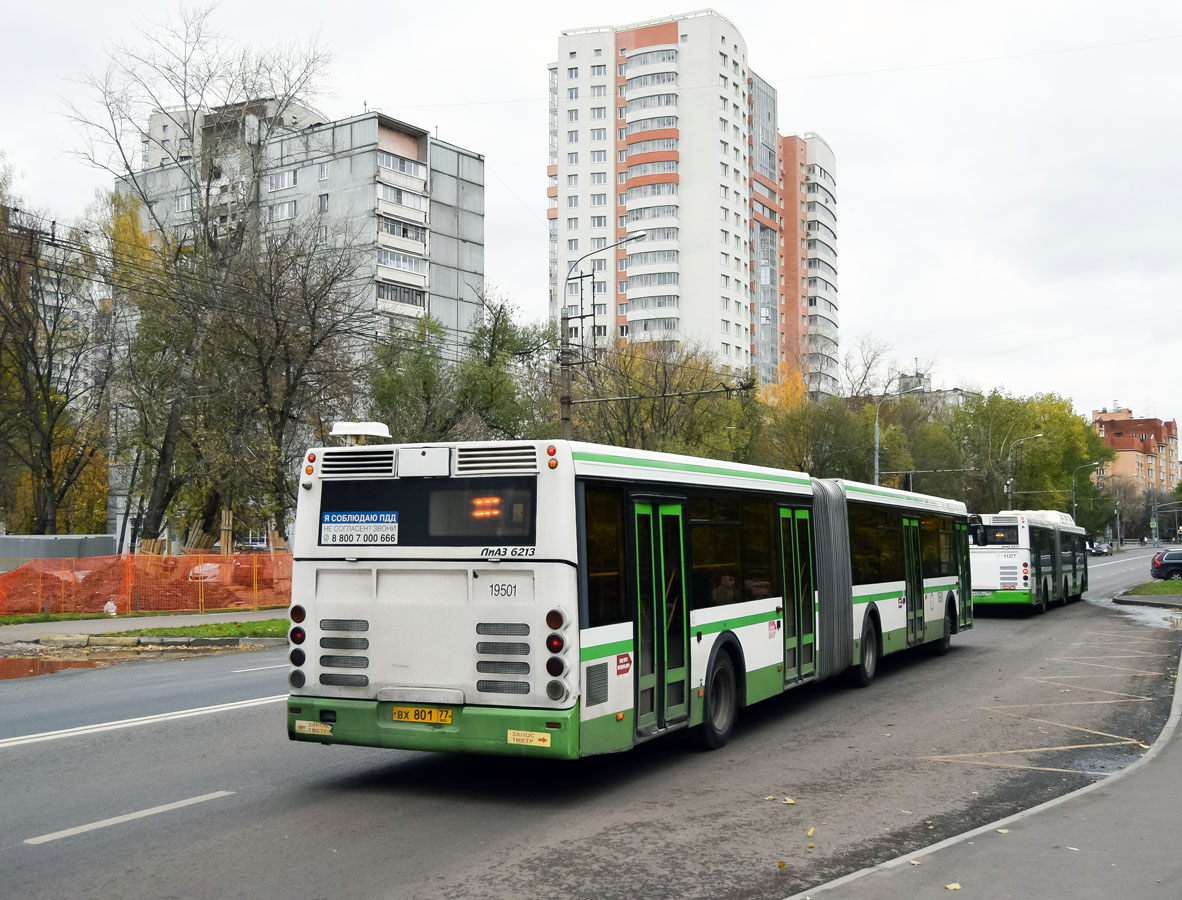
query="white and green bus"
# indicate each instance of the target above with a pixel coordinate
(1028, 558)
(564, 599)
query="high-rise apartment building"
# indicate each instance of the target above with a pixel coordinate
(413, 202)
(662, 127)
(1146, 449)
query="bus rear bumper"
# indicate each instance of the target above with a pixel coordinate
(548, 733)
(987, 598)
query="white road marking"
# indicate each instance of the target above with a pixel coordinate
(94, 826)
(131, 723)
(1117, 562)
(259, 668)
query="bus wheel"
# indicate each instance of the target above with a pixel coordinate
(940, 648)
(721, 703)
(863, 673)
(1042, 601)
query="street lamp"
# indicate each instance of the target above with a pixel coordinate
(564, 362)
(877, 408)
(1010, 467)
(1076, 469)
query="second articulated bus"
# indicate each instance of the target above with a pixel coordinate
(563, 599)
(1028, 557)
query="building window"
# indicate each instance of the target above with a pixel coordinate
(572, 244)
(597, 71)
(402, 261)
(401, 294)
(599, 90)
(572, 72)
(572, 201)
(322, 202)
(599, 199)
(599, 112)
(599, 221)
(598, 243)
(572, 137)
(598, 134)
(572, 223)
(572, 159)
(572, 93)
(281, 211)
(323, 171)
(572, 115)
(281, 180)
(401, 164)
(400, 229)
(184, 202)
(322, 233)
(598, 156)
(392, 194)
(572, 180)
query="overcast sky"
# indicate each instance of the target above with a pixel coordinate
(1009, 173)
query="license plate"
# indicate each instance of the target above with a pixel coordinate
(427, 715)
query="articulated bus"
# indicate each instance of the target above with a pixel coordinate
(564, 599)
(1028, 557)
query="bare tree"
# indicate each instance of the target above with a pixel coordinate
(55, 360)
(216, 109)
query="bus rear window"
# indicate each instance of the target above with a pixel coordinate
(1001, 534)
(428, 512)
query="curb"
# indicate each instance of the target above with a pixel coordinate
(1161, 601)
(166, 642)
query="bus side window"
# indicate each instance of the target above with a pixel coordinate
(607, 601)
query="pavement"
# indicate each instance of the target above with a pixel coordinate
(1114, 838)
(34, 631)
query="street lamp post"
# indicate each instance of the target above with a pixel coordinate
(877, 408)
(1076, 469)
(564, 353)
(1010, 467)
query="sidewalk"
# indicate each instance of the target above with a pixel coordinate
(1116, 838)
(11, 634)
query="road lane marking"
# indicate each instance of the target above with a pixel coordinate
(131, 723)
(116, 820)
(260, 668)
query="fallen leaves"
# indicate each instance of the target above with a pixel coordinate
(955, 886)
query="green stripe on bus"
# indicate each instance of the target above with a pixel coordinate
(940, 587)
(686, 467)
(756, 619)
(605, 650)
(871, 598)
(908, 498)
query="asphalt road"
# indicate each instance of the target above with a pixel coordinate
(207, 798)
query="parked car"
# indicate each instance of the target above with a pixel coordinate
(1167, 564)
(1101, 548)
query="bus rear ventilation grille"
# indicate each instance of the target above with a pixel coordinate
(501, 667)
(344, 625)
(1004, 520)
(345, 662)
(597, 684)
(344, 680)
(503, 648)
(333, 643)
(522, 458)
(517, 629)
(502, 687)
(357, 462)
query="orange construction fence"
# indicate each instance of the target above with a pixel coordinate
(144, 583)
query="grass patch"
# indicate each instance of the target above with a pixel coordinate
(69, 617)
(1157, 587)
(265, 628)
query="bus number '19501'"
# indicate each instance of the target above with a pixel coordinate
(499, 589)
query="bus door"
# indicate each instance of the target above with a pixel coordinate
(965, 610)
(913, 578)
(662, 679)
(796, 548)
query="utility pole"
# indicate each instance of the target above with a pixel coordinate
(564, 371)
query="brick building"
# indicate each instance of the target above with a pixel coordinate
(1146, 449)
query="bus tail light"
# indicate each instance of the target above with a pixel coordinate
(297, 635)
(555, 619)
(297, 657)
(296, 679)
(555, 643)
(555, 666)
(556, 690)
(298, 614)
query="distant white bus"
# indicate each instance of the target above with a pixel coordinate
(565, 599)
(1028, 557)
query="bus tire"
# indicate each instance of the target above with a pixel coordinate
(862, 675)
(1041, 606)
(720, 708)
(940, 647)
